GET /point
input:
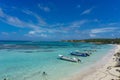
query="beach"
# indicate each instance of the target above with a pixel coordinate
(102, 70)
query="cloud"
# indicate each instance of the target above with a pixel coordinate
(41, 22)
(78, 6)
(1, 12)
(78, 23)
(71, 26)
(35, 29)
(87, 11)
(103, 30)
(14, 21)
(43, 35)
(31, 32)
(40, 30)
(112, 35)
(96, 20)
(4, 33)
(36, 34)
(98, 31)
(114, 24)
(92, 35)
(44, 8)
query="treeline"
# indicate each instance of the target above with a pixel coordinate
(98, 41)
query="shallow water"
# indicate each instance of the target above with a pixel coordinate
(28, 60)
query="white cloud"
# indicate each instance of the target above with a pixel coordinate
(81, 22)
(92, 35)
(87, 11)
(113, 23)
(44, 8)
(96, 20)
(36, 34)
(14, 32)
(4, 33)
(103, 30)
(12, 20)
(31, 32)
(43, 35)
(112, 35)
(1, 12)
(78, 23)
(57, 24)
(37, 29)
(41, 22)
(78, 6)
(99, 32)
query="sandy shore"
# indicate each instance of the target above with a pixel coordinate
(102, 70)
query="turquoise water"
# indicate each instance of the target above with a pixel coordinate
(28, 60)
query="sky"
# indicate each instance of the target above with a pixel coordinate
(59, 19)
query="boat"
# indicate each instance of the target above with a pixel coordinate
(69, 58)
(80, 54)
(90, 51)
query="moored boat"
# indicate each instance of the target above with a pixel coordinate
(76, 53)
(69, 58)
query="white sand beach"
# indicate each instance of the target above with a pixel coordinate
(102, 70)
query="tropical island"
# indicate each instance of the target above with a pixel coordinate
(97, 41)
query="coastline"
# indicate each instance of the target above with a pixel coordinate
(98, 71)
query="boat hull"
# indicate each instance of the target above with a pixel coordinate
(69, 59)
(80, 54)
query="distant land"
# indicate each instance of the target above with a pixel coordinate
(97, 41)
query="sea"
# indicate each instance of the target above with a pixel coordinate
(39, 60)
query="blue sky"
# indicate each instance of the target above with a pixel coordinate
(59, 19)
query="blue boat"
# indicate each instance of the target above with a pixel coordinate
(80, 54)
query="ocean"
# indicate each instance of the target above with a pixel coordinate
(27, 60)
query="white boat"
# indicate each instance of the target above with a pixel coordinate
(69, 58)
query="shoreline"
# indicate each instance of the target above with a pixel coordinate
(98, 70)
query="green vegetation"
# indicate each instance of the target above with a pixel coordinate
(97, 41)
